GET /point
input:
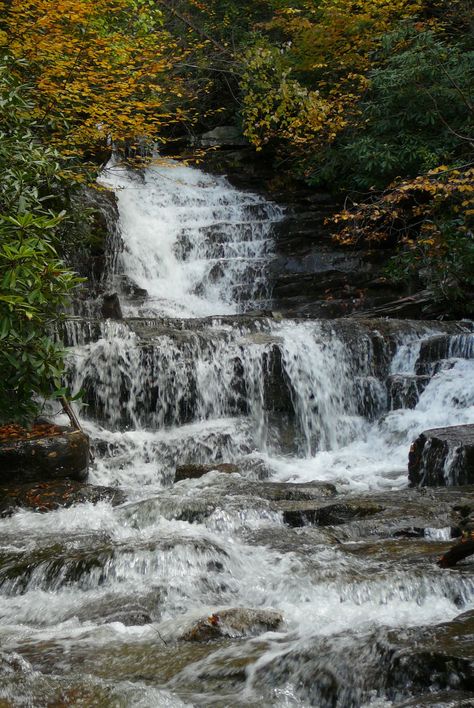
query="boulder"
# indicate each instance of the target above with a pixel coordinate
(111, 308)
(235, 622)
(194, 471)
(47, 496)
(223, 136)
(441, 656)
(58, 456)
(442, 457)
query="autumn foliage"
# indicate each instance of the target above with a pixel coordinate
(430, 219)
(104, 71)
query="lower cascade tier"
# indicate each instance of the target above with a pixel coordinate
(251, 531)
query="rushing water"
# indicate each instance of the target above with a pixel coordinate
(95, 599)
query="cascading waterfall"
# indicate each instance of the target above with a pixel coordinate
(94, 600)
(207, 252)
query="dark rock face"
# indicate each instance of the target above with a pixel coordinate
(111, 307)
(404, 391)
(42, 459)
(47, 496)
(315, 277)
(194, 471)
(442, 457)
(442, 656)
(100, 240)
(435, 350)
(301, 514)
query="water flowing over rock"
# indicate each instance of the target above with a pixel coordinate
(444, 456)
(302, 427)
(208, 251)
(233, 623)
(195, 471)
(48, 496)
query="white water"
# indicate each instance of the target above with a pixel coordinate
(289, 401)
(195, 244)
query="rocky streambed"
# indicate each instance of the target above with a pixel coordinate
(248, 533)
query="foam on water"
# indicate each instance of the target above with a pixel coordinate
(195, 244)
(290, 400)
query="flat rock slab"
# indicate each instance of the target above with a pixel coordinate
(65, 455)
(48, 496)
(442, 457)
(440, 513)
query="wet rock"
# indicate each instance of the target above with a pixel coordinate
(111, 308)
(440, 699)
(442, 457)
(100, 232)
(287, 491)
(444, 346)
(223, 136)
(236, 622)
(353, 668)
(116, 609)
(404, 391)
(53, 567)
(195, 471)
(441, 657)
(42, 459)
(277, 393)
(128, 287)
(302, 514)
(254, 468)
(48, 496)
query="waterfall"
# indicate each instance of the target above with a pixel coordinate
(207, 252)
(317, 416)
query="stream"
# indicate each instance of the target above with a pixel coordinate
(309, 563)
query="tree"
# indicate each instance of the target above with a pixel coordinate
(417, 113)
(305, 78)
(430, 219)
(104, 71)
(34, 283)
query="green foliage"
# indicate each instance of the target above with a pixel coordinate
(445, 268)
(431, 220)
(34, 283)
(416, 114)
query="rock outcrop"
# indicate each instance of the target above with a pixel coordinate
(48, 496)
(64, 455)
(194, 471)
(442, 457)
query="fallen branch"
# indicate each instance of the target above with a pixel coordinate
(456, 553)
(67, 408)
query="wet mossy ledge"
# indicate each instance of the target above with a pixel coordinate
(64, 453)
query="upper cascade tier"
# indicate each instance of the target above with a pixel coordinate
(191, 243)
